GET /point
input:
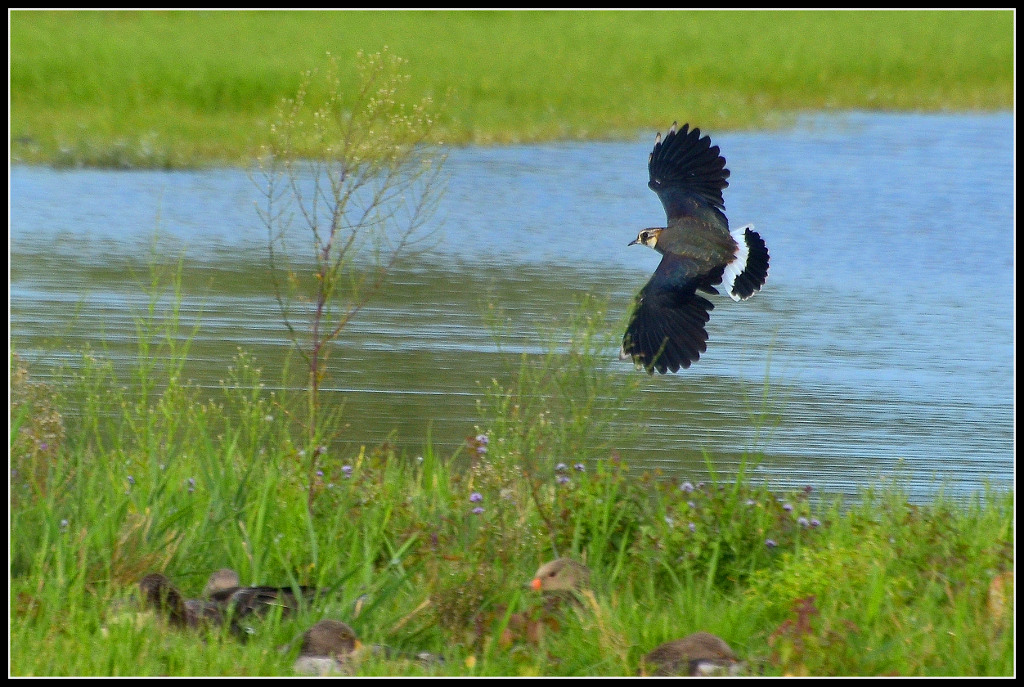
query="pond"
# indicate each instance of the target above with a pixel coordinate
(880, 347)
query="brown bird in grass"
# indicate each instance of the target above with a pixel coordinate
(327, 648)
(561, 575)
(559, 580)
(160, 594)
(696, 655)
(241, 602)
(225, 599)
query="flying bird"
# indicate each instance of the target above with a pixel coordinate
(699, 253)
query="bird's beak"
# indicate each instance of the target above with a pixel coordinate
(535, 585)
(636, 240)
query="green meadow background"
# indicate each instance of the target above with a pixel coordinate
(173, 89)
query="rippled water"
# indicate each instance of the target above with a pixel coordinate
(885, 331)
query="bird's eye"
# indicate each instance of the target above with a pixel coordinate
(552, 574)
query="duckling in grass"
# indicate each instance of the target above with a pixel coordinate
(225, 599)
(696, 655)
(327, 649)
(160, 594)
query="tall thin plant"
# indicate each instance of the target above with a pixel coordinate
(356, 174)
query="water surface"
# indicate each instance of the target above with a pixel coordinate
(885, 331)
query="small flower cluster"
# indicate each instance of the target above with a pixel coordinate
(478, 444)
(476, 497)
(562, 468)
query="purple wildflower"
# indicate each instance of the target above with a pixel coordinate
(346, 471)
(770, 543)
(693, 527)
(691, 504)
(64, 524)
(561, 467)
(562, 479)
(191, 484)
(815, 522)
(580, 467)
(477, 511)
(803, 522)
(787, 507)
(482, 439)
(476, 496)
(686, 486)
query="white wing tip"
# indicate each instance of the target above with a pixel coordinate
(739, 265)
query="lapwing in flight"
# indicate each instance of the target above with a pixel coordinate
(699, 253)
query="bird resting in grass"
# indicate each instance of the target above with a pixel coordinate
(696, 655)
(225, 600)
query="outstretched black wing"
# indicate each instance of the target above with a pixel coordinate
(666, 330)
(688, 174)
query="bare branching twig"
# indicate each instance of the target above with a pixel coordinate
(356, 174)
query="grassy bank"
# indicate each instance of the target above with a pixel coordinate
(172, 89)
(431, 552)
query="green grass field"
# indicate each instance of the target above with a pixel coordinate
(431, 552)
(172, 89)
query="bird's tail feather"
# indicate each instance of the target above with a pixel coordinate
(747, 272)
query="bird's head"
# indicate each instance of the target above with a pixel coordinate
(225, 578)
(648, 237)
(562, 574)
(330, 638)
